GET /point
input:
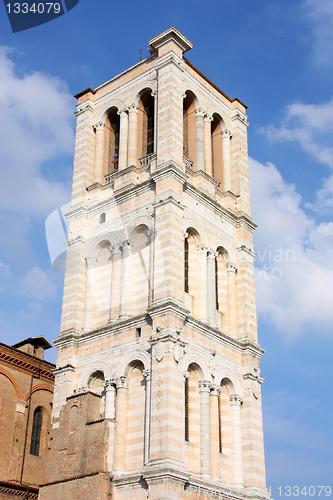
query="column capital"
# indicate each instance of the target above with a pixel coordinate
(215, 390)
(91, 262)
(236, 400)
(146, 374)
(202, 247)
(116, 249)
(150, 234)
(199, 112)
(132, 108)
(226, 134)
(204, 386)
(208, 118)
(231, 267)
(126, 245)
(99, 126)
(122, 112)
(109, 384)
(211, 254)
(122, 382)
(186, 375)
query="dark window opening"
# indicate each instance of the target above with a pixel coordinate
(36, 432)
(220, 427)
(113, 149)
(148, 124)
(217, 284)
(187, 415)
(138, 333)
(186, 265)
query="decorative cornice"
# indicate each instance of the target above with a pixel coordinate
(167, 305)
(26, 362)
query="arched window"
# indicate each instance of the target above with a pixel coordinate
(186, 410)
(102, 218)
(36, 432)
(112, 127)
(216, 133)
(186, 265)
(189, 128)
(146, 124)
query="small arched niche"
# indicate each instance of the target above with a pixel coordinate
(95, 382)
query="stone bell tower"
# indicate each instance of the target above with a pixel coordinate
(157, 391)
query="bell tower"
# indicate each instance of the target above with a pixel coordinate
(157, 391)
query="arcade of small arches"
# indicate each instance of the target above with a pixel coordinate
(211, 428)
(119, 280)
(126, 136)
(210, 282)
(117, 272)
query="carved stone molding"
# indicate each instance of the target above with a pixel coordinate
(236, 399)
(121, 382)
(204, 386)
(99, 126)
(231, 267)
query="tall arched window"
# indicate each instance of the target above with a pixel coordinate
(112, 127)
(216, 133)
(189, 127)
(36, 432)
(186, 265)
(146, 124)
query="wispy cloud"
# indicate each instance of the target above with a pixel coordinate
(319, 16)
(36, 127)
(311, 127)
(294, 265)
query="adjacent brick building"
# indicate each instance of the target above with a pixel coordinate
(26, 392)
(157, 390)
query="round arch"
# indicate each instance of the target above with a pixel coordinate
(140, 90)
(196, 359)
(137, 355)
(13, 382)
(105, 110)
(39, 387)
(234, 384)
(98, 366)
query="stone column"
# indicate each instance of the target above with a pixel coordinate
(146, 374)
(215, 430)
(133, 112)
(208, 145)
(231, 269)
(110, 392)
(120, 430)
(226, 136)
(202, 274)
(204, 389)
(99, 152)
(199, 123)
(115, 281)
(125, 304)
(237, 459)
(123, 139)
(211, 289)
(88, 319)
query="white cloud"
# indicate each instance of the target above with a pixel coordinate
(37, 126)
(294, 265)
(319, 15)
(38, 285)
(311, 126)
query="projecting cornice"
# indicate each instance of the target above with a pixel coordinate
(26, 362)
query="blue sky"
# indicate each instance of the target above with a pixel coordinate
(277, 57)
